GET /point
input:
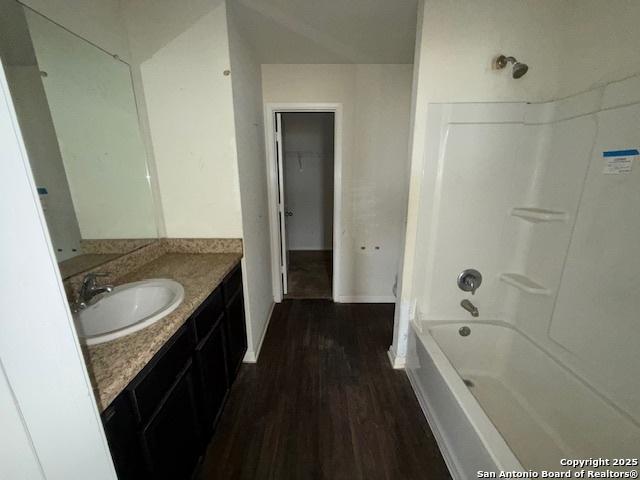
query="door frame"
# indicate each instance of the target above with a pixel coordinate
(270, 110)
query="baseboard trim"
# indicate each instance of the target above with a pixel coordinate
(397, 363)
(436, 429)
(252, 355)
(366, 299)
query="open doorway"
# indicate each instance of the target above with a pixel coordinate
(305, 166)
(307, 161)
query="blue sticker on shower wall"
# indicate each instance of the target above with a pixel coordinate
(619, 161)
(621, 153)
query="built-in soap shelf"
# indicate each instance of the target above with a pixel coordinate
(538, 215)
(524, 283)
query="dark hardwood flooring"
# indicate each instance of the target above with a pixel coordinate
(310, 274)
(324, 403)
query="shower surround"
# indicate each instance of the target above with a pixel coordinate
(543, 200)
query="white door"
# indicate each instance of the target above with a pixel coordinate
(284, 253)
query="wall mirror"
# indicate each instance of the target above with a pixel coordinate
(77, 112)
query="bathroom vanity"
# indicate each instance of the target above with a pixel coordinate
(161, 389)
(159, 425)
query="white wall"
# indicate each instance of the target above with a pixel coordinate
(247, 104)
(600, 44)
(460, 39)
(182, 51)
(308, 179)
(376, 101)
(61, 435)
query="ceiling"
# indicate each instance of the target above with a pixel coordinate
(328, 31)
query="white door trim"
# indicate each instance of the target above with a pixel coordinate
(272, 178)
(284, 258)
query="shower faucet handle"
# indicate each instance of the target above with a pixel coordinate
(469, 280)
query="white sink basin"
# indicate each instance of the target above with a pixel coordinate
(127, 309)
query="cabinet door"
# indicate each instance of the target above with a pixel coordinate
(172, 437)
(208, 314)
(154, 381)
(237, 333)
(212, 372)
(120, 428)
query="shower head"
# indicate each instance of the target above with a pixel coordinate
(519, 69)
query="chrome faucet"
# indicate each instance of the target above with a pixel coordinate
(469, 307)
(90, 289)
(469, 280)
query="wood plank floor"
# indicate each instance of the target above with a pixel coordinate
(310, 274)
(324, 403)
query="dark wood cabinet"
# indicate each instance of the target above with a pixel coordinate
(158, 427)
(234, 321)
(208, 314)
(120, 429)
(171, 439)
(237, 335)
(153, 382)
(211, 362)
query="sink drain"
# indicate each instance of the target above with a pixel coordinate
(464, 331)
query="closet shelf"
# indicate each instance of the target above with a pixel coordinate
(524, 283)
(537, 215)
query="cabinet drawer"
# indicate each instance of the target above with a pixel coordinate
(209, 314)
(232, 284)
(148, 388)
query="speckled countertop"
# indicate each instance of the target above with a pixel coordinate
(114, 364)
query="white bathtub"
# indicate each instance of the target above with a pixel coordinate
(522, 410)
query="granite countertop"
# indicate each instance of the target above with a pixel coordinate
(112, 365)
(83, 262)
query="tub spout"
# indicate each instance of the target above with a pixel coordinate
(469, 307)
